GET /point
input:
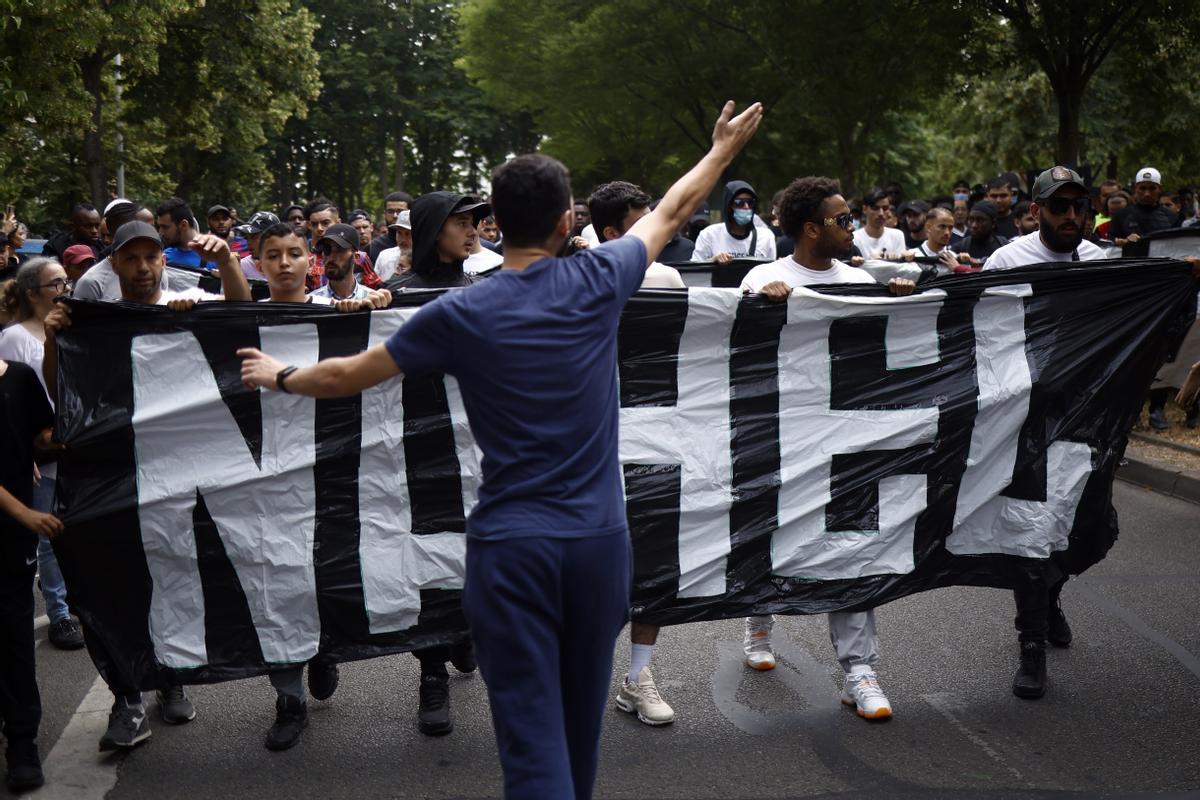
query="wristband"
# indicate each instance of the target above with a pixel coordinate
(281, 376)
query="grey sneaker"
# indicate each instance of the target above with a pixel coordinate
(642, 698)
(174, 705)
(127, 727)
(756, 644)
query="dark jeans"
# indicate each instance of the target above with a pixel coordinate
(1041, 585)
(544, 615)
(20, 702)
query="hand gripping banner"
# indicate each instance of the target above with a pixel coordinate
(837, 451)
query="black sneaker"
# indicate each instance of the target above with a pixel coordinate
(433, 715)
(322, 680)
(65, 635)
(1030, 680)
(291, 717)
(174, 705)
(462, 656)
(1158, 420)
(24, 765)
(128, 727)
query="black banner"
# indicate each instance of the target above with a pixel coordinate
(835, 452)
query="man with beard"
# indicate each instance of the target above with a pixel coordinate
(817, 217)
(1145, 215)
(1060, 200)
(912, 222)
(220, 223)
(337, 248)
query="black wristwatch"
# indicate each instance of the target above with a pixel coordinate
(281, 376)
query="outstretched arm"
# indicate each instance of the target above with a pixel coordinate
(331, 377)
(730, 135)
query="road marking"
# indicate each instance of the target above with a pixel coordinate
(41, 622)
(1185, 657)
(944, 703)
(75, 769)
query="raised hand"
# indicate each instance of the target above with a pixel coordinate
(730, 134)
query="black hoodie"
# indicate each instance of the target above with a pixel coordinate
(429, 214)
(731, 189)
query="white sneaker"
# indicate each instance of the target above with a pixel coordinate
(642, 698)
(757, 643)
(862, 691)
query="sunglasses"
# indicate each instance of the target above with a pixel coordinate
(841, 220)
(1060, 205)
(743, 202)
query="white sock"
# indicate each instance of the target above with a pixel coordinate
(859, 669)
(639, 657)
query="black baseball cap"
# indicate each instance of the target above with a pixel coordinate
(1054, 179)
(135, 229)
(216, 208)
(481, 209)
(259, 221)
(986, 207)
(915, 206)
(342, 235)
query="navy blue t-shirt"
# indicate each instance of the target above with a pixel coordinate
(535, 354)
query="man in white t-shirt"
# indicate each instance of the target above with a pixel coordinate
(939, 227)
(741, 233)
(396, 259)
(816, 216)
(138, 264)
(875, 239)
(1060, 203)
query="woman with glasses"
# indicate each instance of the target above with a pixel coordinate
(29, 298)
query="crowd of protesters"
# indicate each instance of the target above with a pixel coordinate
(809, 233)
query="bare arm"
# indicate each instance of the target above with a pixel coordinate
(729, 137)
(332, 377)
(40, 523)
(234, 285)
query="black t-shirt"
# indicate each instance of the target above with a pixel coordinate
(680, 248)
(1006, 227)
(979, 248)
(24, 413)
(1141, 220)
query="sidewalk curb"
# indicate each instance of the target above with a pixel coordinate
(1165, 480)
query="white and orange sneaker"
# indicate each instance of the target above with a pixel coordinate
(757, 643)
(862, 691)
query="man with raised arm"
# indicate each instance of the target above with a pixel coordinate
(534, 352)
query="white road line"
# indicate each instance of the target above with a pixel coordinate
(944, 703)
(75, 769)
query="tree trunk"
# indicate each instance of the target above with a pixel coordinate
(398, 144)
(1070, 99)
(92, 69)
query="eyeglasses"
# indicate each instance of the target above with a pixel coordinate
(841, 220)
(743, 202)
(1060, 205)
(60, 285)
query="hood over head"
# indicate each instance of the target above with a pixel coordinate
(429, 214)
(731, 189)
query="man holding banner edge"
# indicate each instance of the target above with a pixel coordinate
(552, 495)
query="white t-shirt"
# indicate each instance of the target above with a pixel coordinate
(18, 344)
(1030, 249)
(890, 241)
(660, 276)
(717, 239)
(388, 263)
(100, 282)
(793, 274)
(197, 294)
(482, 261)
(359, 292)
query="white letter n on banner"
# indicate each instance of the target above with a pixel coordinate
(188, 444)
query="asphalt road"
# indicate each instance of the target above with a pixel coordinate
(1119, 719)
